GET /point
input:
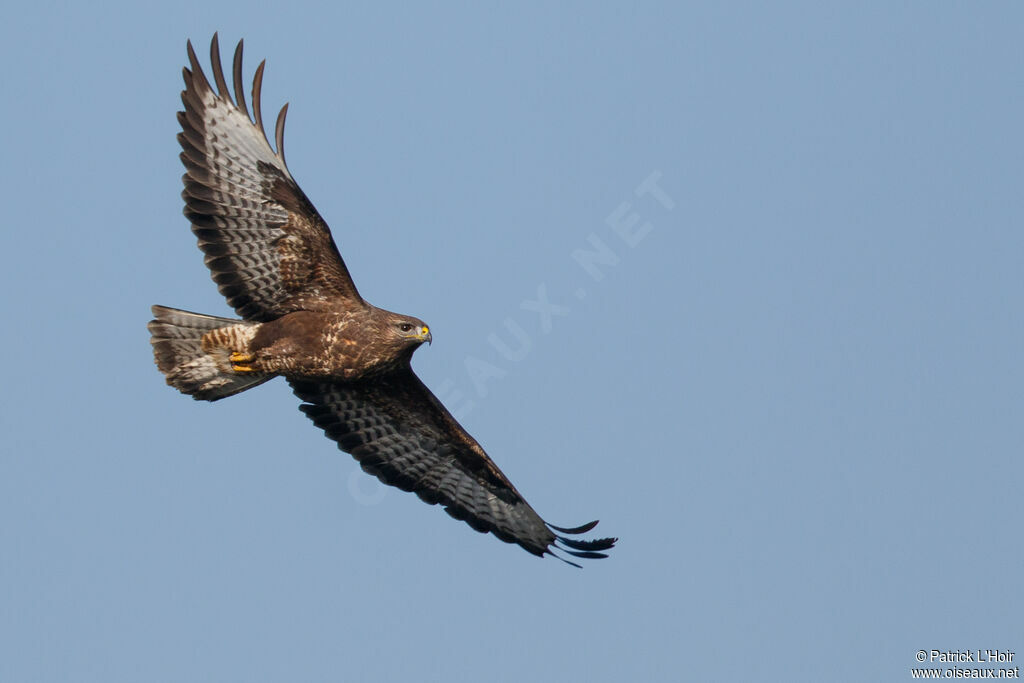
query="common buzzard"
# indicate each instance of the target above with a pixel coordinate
(273, 258)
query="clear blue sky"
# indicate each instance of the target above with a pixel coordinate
(796, 396)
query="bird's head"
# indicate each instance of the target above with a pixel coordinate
(408, 331)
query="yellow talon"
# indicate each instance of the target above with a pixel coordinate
(240, 361)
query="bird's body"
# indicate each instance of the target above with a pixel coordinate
(274, 259)
(330, 345)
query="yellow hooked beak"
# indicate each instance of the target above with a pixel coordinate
(424, 334)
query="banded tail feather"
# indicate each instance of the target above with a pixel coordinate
(190, 350)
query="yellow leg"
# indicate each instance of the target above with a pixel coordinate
(240, 362)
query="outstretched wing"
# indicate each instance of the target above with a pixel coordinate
(268, 250)
(399, 432)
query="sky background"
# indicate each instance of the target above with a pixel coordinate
(797, 396)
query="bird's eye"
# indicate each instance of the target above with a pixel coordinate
(405, 327)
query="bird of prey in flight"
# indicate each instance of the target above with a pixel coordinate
(275, 261)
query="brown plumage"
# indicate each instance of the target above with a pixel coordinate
(273, 258)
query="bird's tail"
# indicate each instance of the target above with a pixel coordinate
(196, 362)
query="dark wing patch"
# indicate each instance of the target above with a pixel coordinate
(399, 432)
(268, 249)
